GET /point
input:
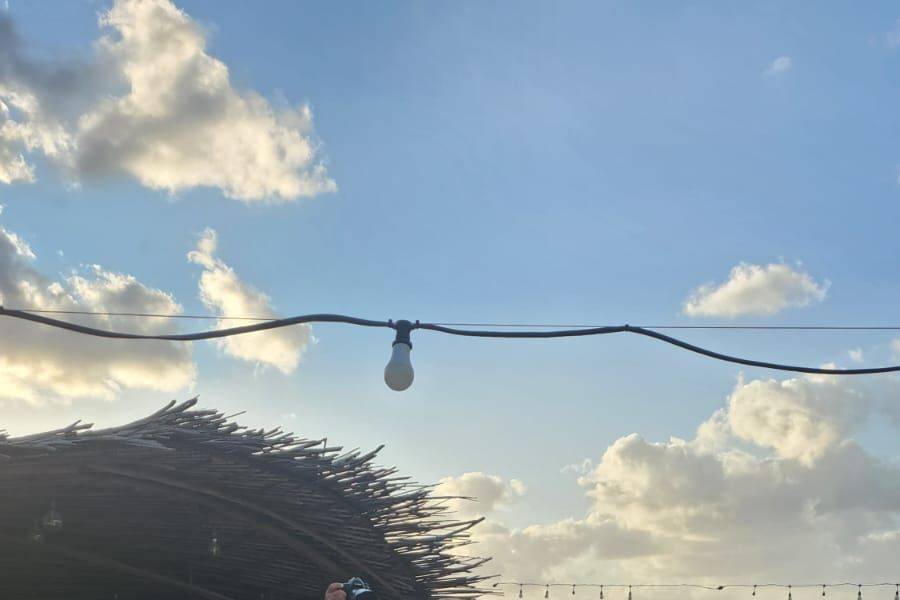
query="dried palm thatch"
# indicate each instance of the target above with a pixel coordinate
(187, 504)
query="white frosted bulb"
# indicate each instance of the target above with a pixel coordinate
(398, 374)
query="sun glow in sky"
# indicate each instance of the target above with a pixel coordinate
(579, 162)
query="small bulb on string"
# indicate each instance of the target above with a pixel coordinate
(823, 590)
(520, 591)
(754, 591)
(859, 592)
(629, 592)
(399, 374)
(53, 520)
(573, 589)
(601, 592)
(789, 593)
(215, 548)
(36, 534)
(897, 592)
(547, 592)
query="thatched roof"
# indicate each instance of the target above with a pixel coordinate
(141, 504)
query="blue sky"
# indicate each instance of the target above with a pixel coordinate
(581, 162)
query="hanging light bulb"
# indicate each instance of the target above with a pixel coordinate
(629, 592)
(897, 592)
(789, 592)
(36, 534)
(398, 374)
(859, 592)
(547, 592)
(215, 548)
(52, 521)
(520, 591)
(754, 591)
(601, 592)
(573, 589)
(823, 590)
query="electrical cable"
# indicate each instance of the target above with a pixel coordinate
(403, 329)
(501, 325)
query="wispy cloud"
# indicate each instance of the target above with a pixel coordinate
(892, 37)
(225, 293)
(779, 66)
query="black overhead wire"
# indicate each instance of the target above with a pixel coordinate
(464, 324)
(406, 327)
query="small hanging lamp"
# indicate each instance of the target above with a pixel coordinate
(36, 534)
(52, 521)
(215, 548)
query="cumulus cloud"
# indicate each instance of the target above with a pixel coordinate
(779, 66)
(152, 103)
(224, 293)
(41, 364)
(769, 476)
(756, 290)
(480, 493)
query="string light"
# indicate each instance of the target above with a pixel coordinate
(36, 534)
(520, 591)
(398, 373)
(52, 521)
(755, 587)
(215, 548)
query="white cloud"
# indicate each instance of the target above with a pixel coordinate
(480, 493)
(780, 65)
(768, 477)
(856, 355)
(892, 37)
(40, 364)
(756, 290)
(224, 293)
(153, 104)
(585, 466)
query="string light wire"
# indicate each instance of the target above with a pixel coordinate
(404, 327)
(714, 327)
(521, 585)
